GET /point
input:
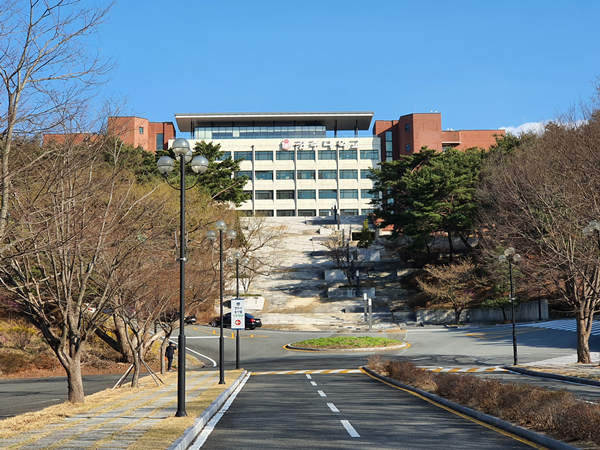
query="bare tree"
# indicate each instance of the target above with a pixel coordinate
(345, 258)
(47, 72)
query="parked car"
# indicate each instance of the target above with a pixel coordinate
(190, 320)
(251, 321)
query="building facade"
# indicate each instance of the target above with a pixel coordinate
(140, 132)
(413, 131)
(299, 164)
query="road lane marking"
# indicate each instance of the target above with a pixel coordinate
(313, 383)
(307, 376)
(210, 426)
(307, 372)
(349, 428)
(333, 408)
(321, 393)
(464, 369)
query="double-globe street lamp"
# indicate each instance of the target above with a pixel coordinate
(183, 154)
(237, 256)
(511, 257)
(231, 235)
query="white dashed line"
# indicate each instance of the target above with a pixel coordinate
(308, 376)
(313, 383)
(321, 393)
(332, 407)
(349, 428)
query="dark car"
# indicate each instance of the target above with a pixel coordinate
(251, 321)
(191, 319)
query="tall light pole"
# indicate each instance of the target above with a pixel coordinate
(183, 153)
(237, 256)
(231, 235)
(511, 257)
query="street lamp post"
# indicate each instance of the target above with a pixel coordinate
(237, 256)
(231, 235)
(183, 153)
(511, 257)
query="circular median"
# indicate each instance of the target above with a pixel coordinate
(347, 344)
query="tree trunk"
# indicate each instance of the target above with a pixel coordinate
(137, 367)
(583, 335)
(74, 381)
(121, 333)
(163, 348)
(450, 247)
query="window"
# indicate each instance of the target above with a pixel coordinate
(364, 212)
(263, 195)
(246, 155)
(286, 213)
(285, 156)
(306, 174)
(305, 154)
(305, 194)
(348, 212)
(369, 154)
(245, 212)
(160, 141)
(244, 173)
(264, 213)
(327, 154)
(365, 173)
(349, 174)
(348, 193)
(224, 156)
(307, 212)
(264, 174)
(365, 193)
(407, 148)
(285, 195)
(327, 193)
(325, 212)
(327, 174)
(141, 130)
(407, 127)
(285, 174)
(348, 154)
(389, 154)
(263, 156)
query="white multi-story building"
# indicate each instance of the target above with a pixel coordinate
(299, 164)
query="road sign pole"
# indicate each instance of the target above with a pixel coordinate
(370, 314)
(237, 349)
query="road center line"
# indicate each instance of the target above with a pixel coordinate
(349, 428)
(313, 383)
(321, 393)
(332, 407)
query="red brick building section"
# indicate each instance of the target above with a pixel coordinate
(139, 132)
(413, 131)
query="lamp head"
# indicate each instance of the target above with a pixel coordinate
(237, 256)
(199, 164)
(509, 251)
(180, 146)
(165, 165)
(211, 235)
(231, 235)
(502, 258)
(220, 225)
(188, 156)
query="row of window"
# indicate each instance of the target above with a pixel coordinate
(290, 155)
(304, 212)
(311, 194)
(344, 174)
(260, 132)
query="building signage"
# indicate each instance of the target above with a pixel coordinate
(301, 145)
(238, 314)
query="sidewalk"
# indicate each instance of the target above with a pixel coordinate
(142, 419)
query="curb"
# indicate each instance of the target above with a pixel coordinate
(551, 444)
(371, 349)
(553, 376)
(190, 433)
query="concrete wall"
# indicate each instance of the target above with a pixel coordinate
(525, 312)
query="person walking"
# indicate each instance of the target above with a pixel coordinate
(169, 353)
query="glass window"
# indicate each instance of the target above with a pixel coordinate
(264, 174)
(263, 195)
(285, 174)
(246, 155)
(306, 174)
(364, 174)
(327, 154)
(367, 211)
(407, 127)
(304, 194)
(365, 193)
(141, 130)
(307, 212)
(388, 135)
(327, 174)
(160, 141)
(305, 154)
(263, 156)
(285, 195)
(224, 156)
(348, 212)
(244, 173)
(327, 193)
(349, 174)
(286, 213)
(348, 193)
(407, 148)
(325, 212)
(369, 154)
(283, 155)
(264, 213)
(245, 212)
(348, 154)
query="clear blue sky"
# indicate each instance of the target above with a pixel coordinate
(483, 64)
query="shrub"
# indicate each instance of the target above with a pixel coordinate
(20, 336)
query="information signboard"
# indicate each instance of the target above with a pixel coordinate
(238, 314)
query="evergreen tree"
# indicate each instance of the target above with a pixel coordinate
(366, 238)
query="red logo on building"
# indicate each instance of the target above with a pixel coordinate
(286, 144)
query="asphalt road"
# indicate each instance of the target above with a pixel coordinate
(343, 411)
